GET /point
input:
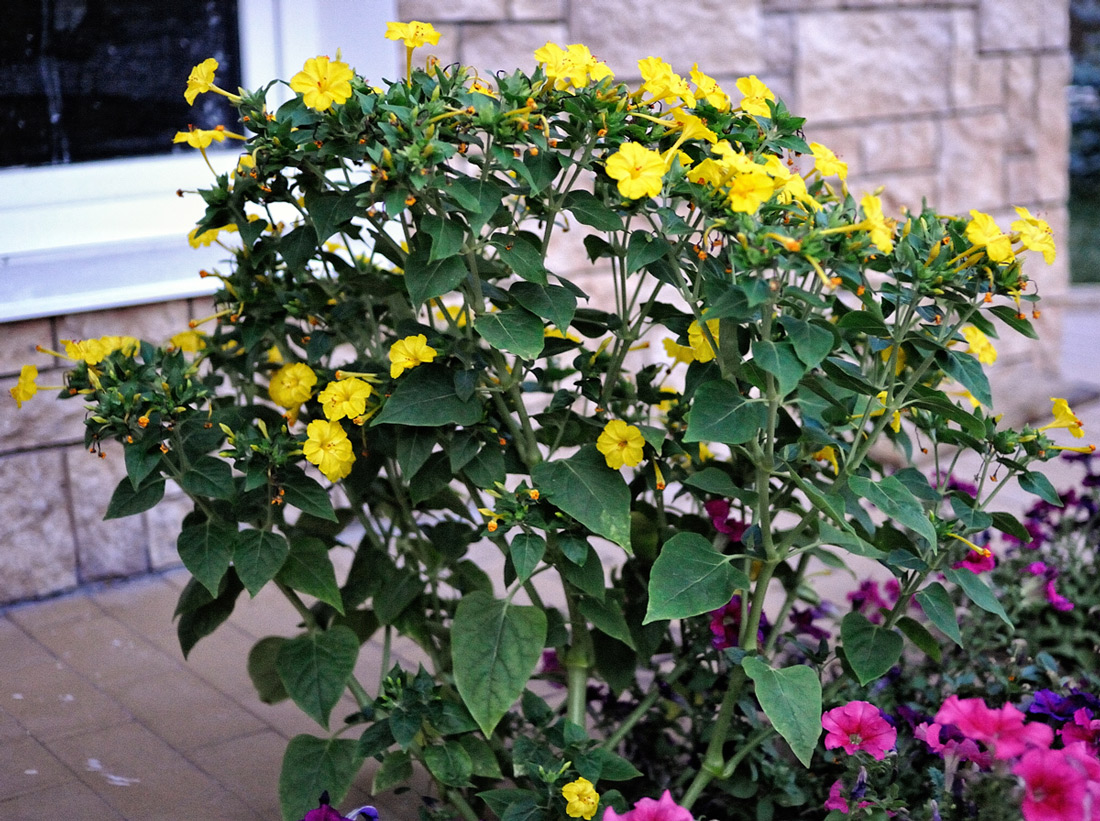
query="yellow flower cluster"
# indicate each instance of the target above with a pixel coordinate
(572, 66)
(94, 351)
(1032, 233)
(409, 352)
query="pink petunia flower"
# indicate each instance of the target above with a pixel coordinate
(1083, 727)
(951, 748)
(859, 726)
(1056, 599)
(976, 562)
(1003, 729)
(836, 801)
(1055, 786)
(665, 809)
(719, 511)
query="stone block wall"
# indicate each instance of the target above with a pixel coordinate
(959, 101)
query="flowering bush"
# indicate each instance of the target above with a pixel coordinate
(396, 375)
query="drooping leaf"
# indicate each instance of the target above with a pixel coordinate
(584, 487)
(447, 236)
(690, 577)
(206, 550)
(258, 555)
(607, 616)
(522, 255)
(811, 342)
(428, 280)
(200, 614)
(425, 397)
(967, 371)
(589, 210)
(526, 551)
(308, 569)
(312, 766)
(449, 763)
(262, 671)
(140, 462)
(890, 496)
(396, 769)
(494, 649)
(791, 699)
(306, 494)
(644, 248)
(328, 211)
(514, 330)
(978, 592)
(779, 359)
(871, 650)
(128, 501)
(720, 414)
(1038, 484)
(552, 302)
(919, 635)
(315, 668)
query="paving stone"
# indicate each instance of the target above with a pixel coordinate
(64, 800)
(51, 701)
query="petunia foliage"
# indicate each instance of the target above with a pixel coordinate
(490, 351)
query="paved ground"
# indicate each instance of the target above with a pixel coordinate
(101, 717)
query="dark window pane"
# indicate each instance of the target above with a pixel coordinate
(94, 79)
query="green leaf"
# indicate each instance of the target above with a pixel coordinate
(396, 769)
(864, 323)
(480, 199)
(1039, 485)
(587, 577)
(315, 668)
(971, 518)
(522, 255)
(450, 718)
(447, 236)
(720, 414)
(1010, 318)
(427, 280)
(481, 756)
(643, 249)
(779, 359)
(919, 635)
(449, 763)
(206, 550)
(871, 650)
(940, 609)
(298, 247)
(978, 592)
(328, 211)
(690, 577)
(262, 671)
(377, 738)
(584, 487)
(425, 397)
(306, 494)
(514, 330)
(890, 496)
(258, 555)
(812, 343)
(591, 211)
(791, 699)
(967, 371)
(1009, 524)
(200, 614)
(495, 646)
(849, 541)
(607, 616)
(126, 501)
(140, 462)
(526, 551)
(397, 593)
(552, 302)
(713, 480)
(308, 569)
(310, 767)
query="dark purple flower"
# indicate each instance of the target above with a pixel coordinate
(976, 562)
(867, 599)
(324, 811)
(719, 511)
(1062, 708)
(803, 621)
(725, 625)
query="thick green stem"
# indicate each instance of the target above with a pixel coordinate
(714, 764)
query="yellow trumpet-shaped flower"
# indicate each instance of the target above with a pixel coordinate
(639, 172)
(201, 79)
(1064, 417)
(327, 446)
(678, 353)
(756, 96)
(572, 66)
(980, 345)
(26, 387)
(581, 798)
(826, 162)
(707, 88)
(880, 228)
(344, 398)
(828, 454)
(323, 82)
(621, 444)
(983, 232)
(700, 345)
(409, 352)
(292, 385)
(662, 83)
(188, 341)
(201, 138)
(749, 190)
(1035, 234)
(413, 33)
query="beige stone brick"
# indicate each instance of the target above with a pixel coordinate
(900, 145)
(154, 323)
(778, 32)
(906, 189)
(857, 64)
(105, 549)
(972, 170)
(431, 11)
(37, 550)
(1022, 178)
(976, 80)
(722, 36)
(1056, 24)
(1007, 25)
(18, 348)
(43, 420)
(536, 9)
(1021, 86)
(1052, 122)
(507, 46)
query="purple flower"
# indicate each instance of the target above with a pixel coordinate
(1056, 599)
(725, 625)
(719, 511)
(324, 811)
(803, 621)
(976, 562)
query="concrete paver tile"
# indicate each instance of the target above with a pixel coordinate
(67, 609)
(69, 800)
(249, 766)
(27, 766)
(52, 701)
(18, 650)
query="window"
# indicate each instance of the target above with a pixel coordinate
(1084, 168)
(95, 233)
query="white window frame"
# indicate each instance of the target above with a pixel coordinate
(95, 235)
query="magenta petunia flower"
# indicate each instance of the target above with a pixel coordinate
(859, 726)
(1056, 599)
(719, 511)
(1055, 785)
(836, 800)
(1002, 729)
(956, 749)
(665, 809)
(976, 562)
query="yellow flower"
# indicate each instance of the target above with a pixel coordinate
(200, 137)
(200, 80)
(89, 351)
(621, 444)
(678, 353)
(660, 81)
(322, 82)
(980, 345)
(292, 385)
(692, 128)
(327, 446)
(408, 353)
(1064, 418)
(1035, 234)
(573, 66)
(828, 454)
(665, 405)
(982, 231)
(413, 33)
(189, 341)
(195, 239)
(557, 333)
(25, 388)
(700, 345)
(707, 88)
(639, 171)
(582, 798)
(756, 96)
(346, 397)
(880, 228)
(749, 190)
(826, 162)
(129, 345)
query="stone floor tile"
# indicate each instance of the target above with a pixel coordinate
(18, 650)
(50, 701)
(141, 777)
(69, 800)
(67, 609)
(269, 614)
(288, 720)
(26, 767)
(10, 729)
(249, 766)
(222, 660)
(186, 711)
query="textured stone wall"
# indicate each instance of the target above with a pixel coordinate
(961, 101)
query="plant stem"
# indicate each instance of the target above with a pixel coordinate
(714, 764)
(627, 724)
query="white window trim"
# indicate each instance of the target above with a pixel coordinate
(95, 235)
